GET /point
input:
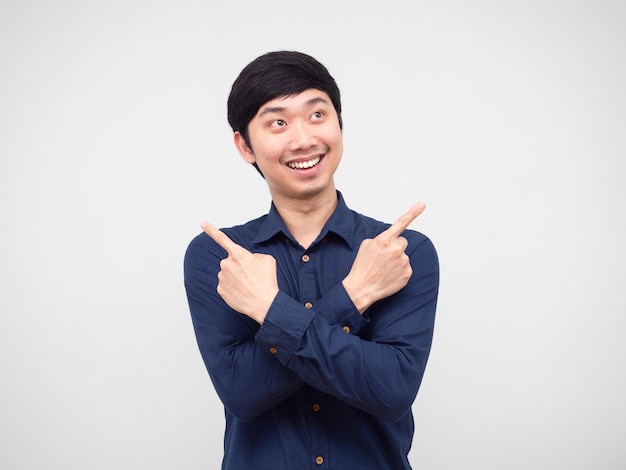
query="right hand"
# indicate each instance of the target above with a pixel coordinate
(381, 267)
(247, 281)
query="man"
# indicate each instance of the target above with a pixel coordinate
(314, 322)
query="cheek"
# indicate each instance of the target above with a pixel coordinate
(337, 141)
(269, 152)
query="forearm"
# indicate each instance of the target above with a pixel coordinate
(378, 369)
(338, 309)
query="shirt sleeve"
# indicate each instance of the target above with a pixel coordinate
(378, 370)
(247, 379)
(337, 308)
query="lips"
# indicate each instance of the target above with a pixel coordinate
(306, 164)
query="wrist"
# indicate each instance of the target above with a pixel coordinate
(359, 296)
(259, 311)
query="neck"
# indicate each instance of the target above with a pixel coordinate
(305, 218)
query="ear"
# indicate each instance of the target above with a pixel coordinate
(243, 149)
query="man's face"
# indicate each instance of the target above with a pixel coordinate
(297, 143)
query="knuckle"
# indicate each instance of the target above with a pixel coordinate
(366, 243)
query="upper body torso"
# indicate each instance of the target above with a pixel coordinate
(318, 385)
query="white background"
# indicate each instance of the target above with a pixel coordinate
(507, 118)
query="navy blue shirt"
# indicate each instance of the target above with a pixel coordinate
(318, 385)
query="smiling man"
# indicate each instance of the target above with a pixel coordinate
(314, 322)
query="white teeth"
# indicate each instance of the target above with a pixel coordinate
(302, 165)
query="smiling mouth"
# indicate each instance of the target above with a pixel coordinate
(304, 165)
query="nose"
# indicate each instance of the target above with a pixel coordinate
(302, 137)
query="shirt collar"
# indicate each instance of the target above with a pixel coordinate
(341, 222)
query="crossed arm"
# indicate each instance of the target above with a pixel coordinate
(379, 375)
(248, 281)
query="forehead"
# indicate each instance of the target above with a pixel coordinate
(304, 100)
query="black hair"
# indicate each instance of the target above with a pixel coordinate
(274, 75)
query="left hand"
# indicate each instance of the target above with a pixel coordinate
(381, 267)
(247, 281)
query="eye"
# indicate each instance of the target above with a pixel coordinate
(278, 123)
(317, 115)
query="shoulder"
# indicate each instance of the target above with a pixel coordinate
(245, 234)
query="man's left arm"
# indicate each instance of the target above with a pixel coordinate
(377, 367)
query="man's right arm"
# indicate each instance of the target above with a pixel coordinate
(248, 380)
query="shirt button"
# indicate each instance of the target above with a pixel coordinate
(316, 407)
(308, 305)
(273, 350)
(305, 258)
(346, 329)
(319, 460)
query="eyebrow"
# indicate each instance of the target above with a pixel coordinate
(279, 109)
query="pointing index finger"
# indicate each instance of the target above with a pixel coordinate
(220, 238)
(405, 220)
